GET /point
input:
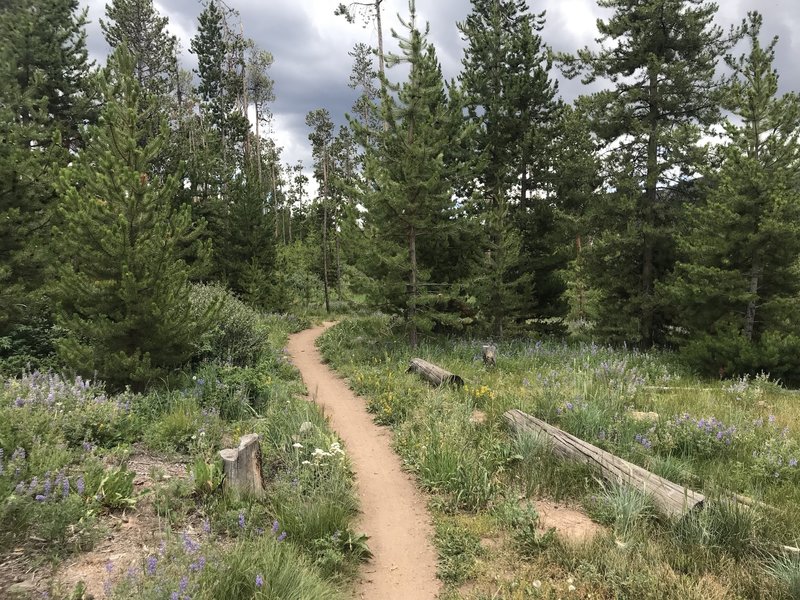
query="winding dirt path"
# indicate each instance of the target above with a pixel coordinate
(394, 515)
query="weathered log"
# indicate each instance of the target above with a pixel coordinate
(242, 467)
(670, 498)
(490, 355)
(433, 374)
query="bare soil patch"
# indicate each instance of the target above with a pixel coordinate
(570, 523)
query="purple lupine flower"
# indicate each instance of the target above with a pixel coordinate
(48, 485)
(109, 567)
(152, 564)
(174, 596)
(282, 536)
(772, 418)
(87, 447)
(275, 526)
(34, 485)
(206, 526)
(198, 565)
(189, 544)
(570, 406)
(19, 402)
(241, 520)
(20, 489)
(80, 485)
(259, 581)
(184, 583)
(40, 498)
(792, 462)
(601, 435)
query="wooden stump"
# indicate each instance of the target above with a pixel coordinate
(433, 374)
(242, 467)
(670, 498)
(490, 355)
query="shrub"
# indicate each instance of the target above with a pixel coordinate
(239, 335)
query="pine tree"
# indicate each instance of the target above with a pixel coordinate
(247, 250)
(737, 287)
(408, 197)
(661, 57)
(44, 102)
(509, 97)
(123, 288)
(138, 25)
(321, 137)
(222, 80)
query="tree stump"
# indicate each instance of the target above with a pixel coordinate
(241, 467)
(489, 355)
(670, 498)
(433, 374)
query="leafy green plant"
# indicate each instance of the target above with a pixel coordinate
(458, 550)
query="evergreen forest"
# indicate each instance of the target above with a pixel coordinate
(659, 211)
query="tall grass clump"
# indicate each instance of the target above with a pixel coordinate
(785, 568)
(623, 507)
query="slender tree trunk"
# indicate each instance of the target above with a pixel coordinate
(379, 24)
(275, 197)
(325, 232)
(650, 199)
(338, 268)
(750, 314)
(412, 287)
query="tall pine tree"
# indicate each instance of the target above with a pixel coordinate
(661, 56)
(510, 98)
(44, 102)
(123, 288)
(737, 287)
(409, 195)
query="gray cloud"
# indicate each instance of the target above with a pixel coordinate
(310, 45)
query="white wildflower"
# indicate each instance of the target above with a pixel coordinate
(297, 445)
(537, 584)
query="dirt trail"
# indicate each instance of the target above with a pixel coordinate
(394, 515)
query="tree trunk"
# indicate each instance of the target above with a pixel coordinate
(275, 196)
(412, 287)
(650, 199)
(670, 498)
(325, 232)
(750, 314)
(242, 467)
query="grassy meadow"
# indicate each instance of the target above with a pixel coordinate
(717, 437)
(119, 495)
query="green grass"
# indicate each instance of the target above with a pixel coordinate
(719, 437)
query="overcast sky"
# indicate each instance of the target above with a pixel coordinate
(310, 45)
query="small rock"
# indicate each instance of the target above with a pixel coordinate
(21, 591)
(761, 404)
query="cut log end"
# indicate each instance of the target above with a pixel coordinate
(490, 355)
(242, 467)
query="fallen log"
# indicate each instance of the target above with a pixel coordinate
(433, 374)
(241, 467)
(670, 498)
